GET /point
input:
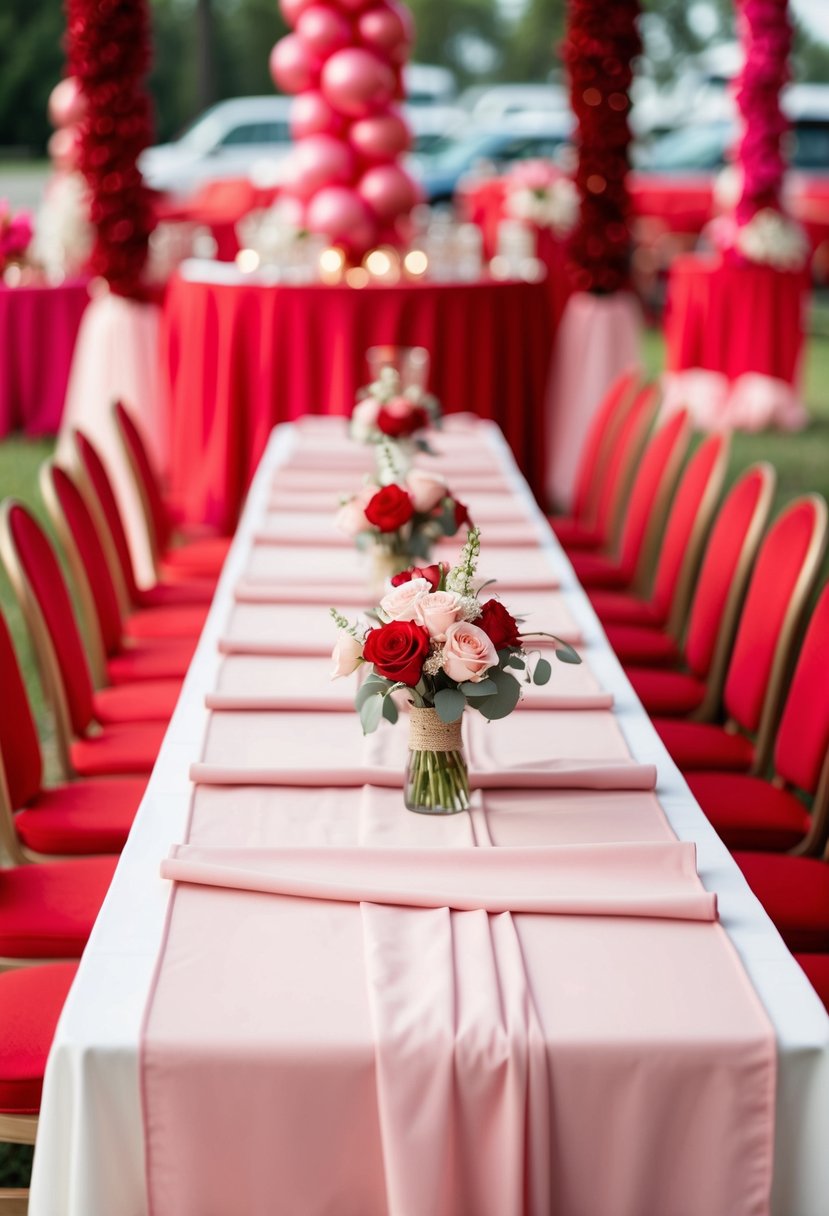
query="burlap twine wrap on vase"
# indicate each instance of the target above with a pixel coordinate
(437, 782)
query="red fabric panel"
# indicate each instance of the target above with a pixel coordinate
(640, 646)
(149, 701)
(31, 1000)
(574, 535)
(627, 439)
(596, 570)
(671, 694)
(85, 535)
(749, 813)
(118, 751)
(656, 465)
(203, 558)
(698, 745)
(149, 478)
(681, 520)
(19, 743)
(165, 659)
(48, 910)
(795, 893)
(177, 595)
(184, 622)
(82, 817)
(803, 737)
(99, 478)
(590, 461)
(816, 967)
(722, 554)
(779, 565)
(623, 608)
(49, 586)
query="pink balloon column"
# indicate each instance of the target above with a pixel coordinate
(343, 61)
(67, 106)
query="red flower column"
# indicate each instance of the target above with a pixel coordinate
(108, 56)
(599, 333)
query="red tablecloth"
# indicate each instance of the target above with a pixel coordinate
(734, 319)
(38, 328)
(243, 357)
(483, 204)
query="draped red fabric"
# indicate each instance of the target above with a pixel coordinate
(19, 744)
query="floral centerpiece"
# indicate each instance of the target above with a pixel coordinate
(387, 411)
(437, 641)
(16, 232)
(539, 193)
(399, 521)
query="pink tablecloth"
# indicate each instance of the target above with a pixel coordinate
(243, 357)
(38, 328)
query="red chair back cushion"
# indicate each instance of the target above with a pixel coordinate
(149, 479)
(681, 521)
(19, 744)
(659, 463)
(803, 737)
(719, 568)
(81, 524)
(630, 435)
(614, 400)
(95, 470)
(49, 587)
(780, 563)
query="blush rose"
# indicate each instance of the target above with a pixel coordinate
(468, 653)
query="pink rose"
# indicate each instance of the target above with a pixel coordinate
(401, 603)
(351, 517)
(364, 417)
(468, 653)
(347, 654)
(425, 490)
(438, 611)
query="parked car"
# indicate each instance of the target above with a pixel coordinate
(489, 105)
(489, 149)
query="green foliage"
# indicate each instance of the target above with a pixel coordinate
(31, 63)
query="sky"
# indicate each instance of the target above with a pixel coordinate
(815, 16)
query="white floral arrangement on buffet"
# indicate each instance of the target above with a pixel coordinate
(540, 194)
(772, 239)
(63, 231)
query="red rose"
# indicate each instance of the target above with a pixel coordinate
(432, 574)
(499, 625)
(389, 509)
(399, 418)
(462, 515)
(397, 651)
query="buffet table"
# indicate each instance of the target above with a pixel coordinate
(38, 327)
(243, 355)
(230, 1049)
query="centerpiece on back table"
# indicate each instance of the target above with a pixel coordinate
(435, 640)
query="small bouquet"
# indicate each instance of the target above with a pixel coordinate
(435, 639)
(539, 193)
(16, 233)
(400, 521)
(387, 411)
(773, 239)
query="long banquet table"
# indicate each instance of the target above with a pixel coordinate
(277, 1050)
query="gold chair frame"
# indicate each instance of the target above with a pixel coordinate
(140, 489)
(656, 523)
(637, 446)
(605, 447)
(16, 1129)
(87, 489)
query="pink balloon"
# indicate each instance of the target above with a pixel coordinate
(380, 138)
(381, 29)
(357, 82)
(341, 215)
(291, 208)
(323, 30)
(292, 66)
(291, 9)
(351, 6)
(64, 147)
(317, 162)
(67, 104)
(405, 17)
(388, 191)
(311, 114)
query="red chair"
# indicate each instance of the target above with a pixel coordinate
(88, 745)
(726, 566)
(163, 610)
(750, 813)
(114, 659)
(628, 442)
(595, 453)
(201, 557)
(787, 566)
(31, 1000)
(79, 818)
(649, 631)
(795, 893)
(47, 910)
(650, 494)
(816, 967)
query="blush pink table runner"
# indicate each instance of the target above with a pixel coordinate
(529, 1008)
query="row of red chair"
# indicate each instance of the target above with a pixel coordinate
(716, 651)
(111, 679)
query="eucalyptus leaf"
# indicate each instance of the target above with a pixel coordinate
(566, 654)
(484, 688)
(390, 711)
(542, 671)
(369, 688)
(450, 704)
(371, 711)
(504, 701)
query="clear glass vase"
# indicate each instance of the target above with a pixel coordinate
(437, 780)
(383, 565)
